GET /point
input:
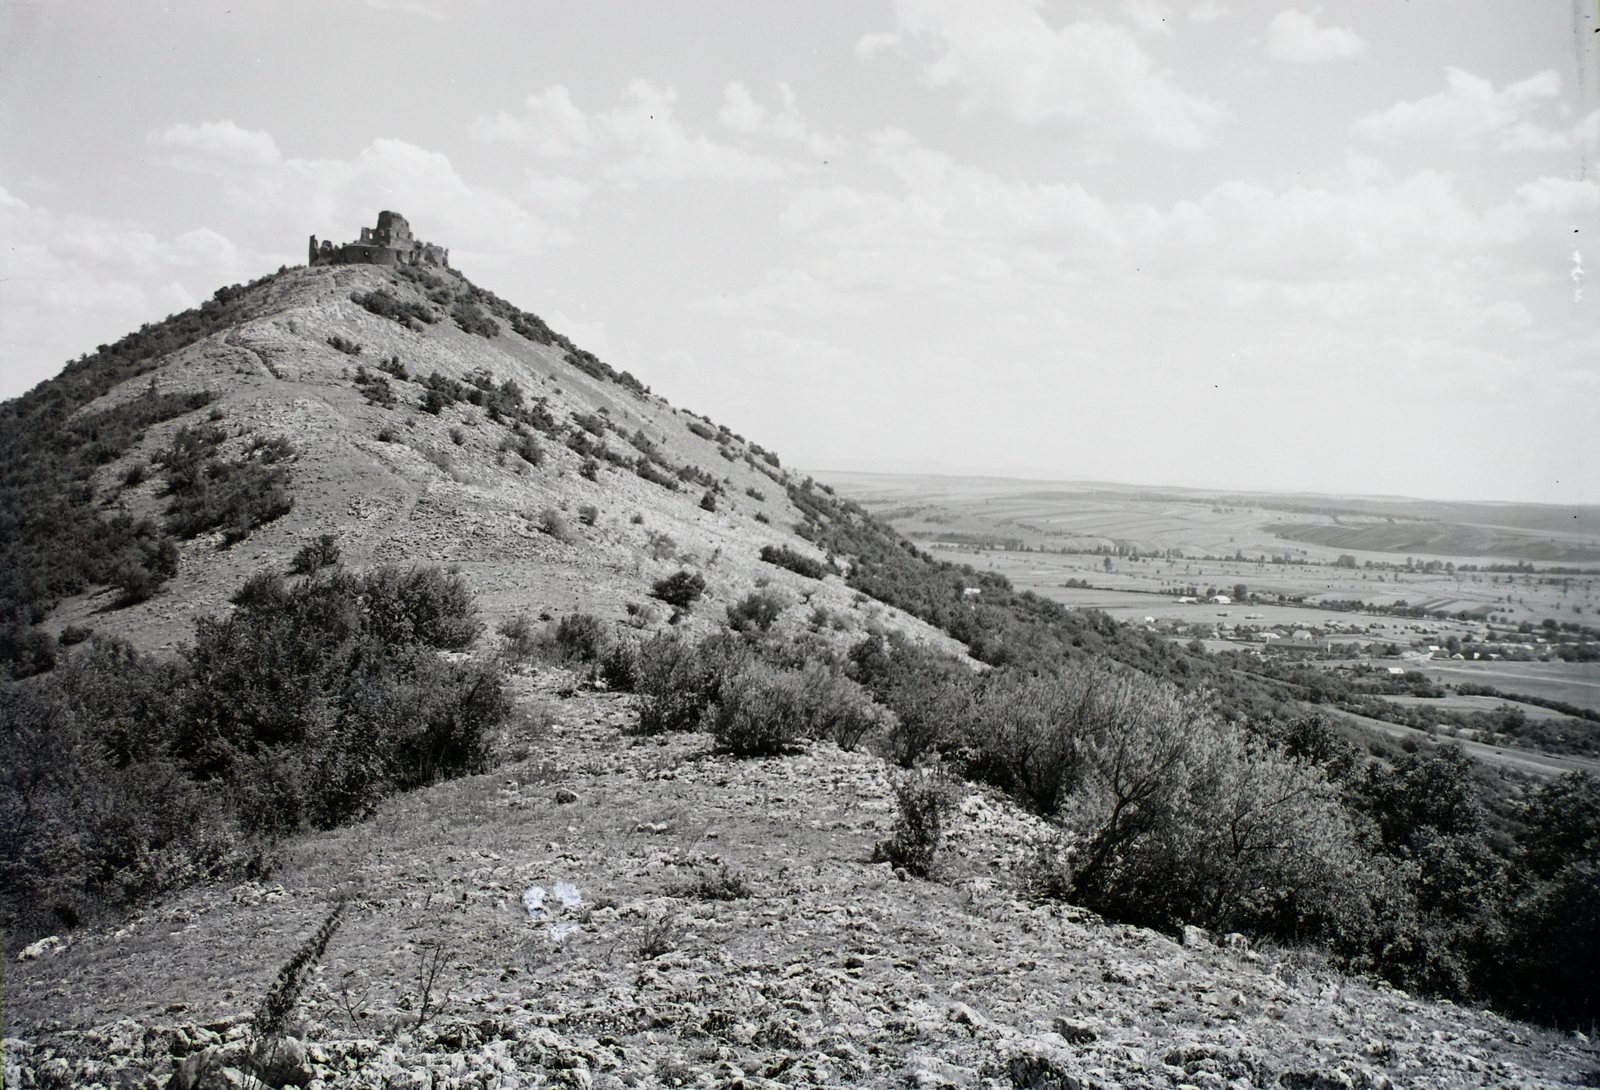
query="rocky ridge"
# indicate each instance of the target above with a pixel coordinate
(627, 970)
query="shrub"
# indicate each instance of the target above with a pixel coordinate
(930, 695)
(434, 401)
(305, 706)
(619, 668)
(756, 494)
(471, 318)
(589, 470)
(339, 344)
(74, 634)
(236, 497)
(312, 558)
(922, 802)
(761, 516)
(760, 712)
(458, 437)
(588, 514)
(525, 448)
(681, 589)
(423, 605)
(555, 524)
(756, 611)
(660, 546)
(785, 557)
(708, 502)
(650, 473)
(375, 389)
(726, 885)
(675, 684)
(386, 304)
(522, 640)
(581, 637)
(388, 434)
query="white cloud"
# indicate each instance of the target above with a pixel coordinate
(68, 282)
(1471, 115)
(742, 113)
(1379, 279)
(641, 138)
(290, 197)
(561, 195)
(1092, 73)
(871, 45)
(552, 124)
(1293, 36)
(1207, 11)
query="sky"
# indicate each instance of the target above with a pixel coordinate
(1249, 244)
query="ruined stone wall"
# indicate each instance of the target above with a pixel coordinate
(389, 243)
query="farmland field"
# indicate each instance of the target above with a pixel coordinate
(1140, 550)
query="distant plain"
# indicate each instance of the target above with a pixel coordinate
(1041, 535)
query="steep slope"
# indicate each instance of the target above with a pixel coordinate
(396, 482)
(419, 420)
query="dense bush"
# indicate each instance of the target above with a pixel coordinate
(681, 589)
(236, 497)
(321, 553)
(675, 682)
(785, 557)
(756, 611)
(385, 304)
(471, 318)
(126, 775)
(582, 637)
(923, 800)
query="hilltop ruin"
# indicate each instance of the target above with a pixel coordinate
(389, 243)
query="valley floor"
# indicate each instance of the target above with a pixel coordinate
(832, 971)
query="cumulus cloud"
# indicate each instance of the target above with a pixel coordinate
(742, 113)
(68, 282)
(1006, 56)
(292, 196)
(1294, 36)
(640, 138)
(1471, 115)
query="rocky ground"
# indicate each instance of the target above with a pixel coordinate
(557, 922)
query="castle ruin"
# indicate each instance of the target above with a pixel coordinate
(389, 243)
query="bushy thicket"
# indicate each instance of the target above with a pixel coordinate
(386, 304)
(1279, 828)
(209, 493)
(449, 288)
(756, 695)
(798, 562)
(126, 775)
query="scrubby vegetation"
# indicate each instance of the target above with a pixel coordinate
(1176, 805)
(473, 305)
(783, 556)
(127, 775)
(209, 493)
(385, 304)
